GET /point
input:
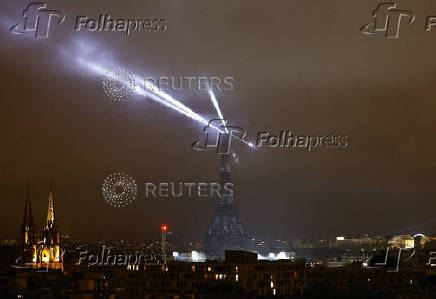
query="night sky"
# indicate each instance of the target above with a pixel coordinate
(297, 65)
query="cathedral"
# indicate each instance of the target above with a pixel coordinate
(44, 252)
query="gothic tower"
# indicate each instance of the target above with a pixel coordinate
(28, 238)
(50, 252)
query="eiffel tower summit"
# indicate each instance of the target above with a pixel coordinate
(226, 232)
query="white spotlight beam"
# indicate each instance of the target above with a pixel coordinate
(217, 108)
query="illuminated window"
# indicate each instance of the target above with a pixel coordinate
(45, 256)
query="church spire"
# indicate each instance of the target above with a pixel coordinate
(28, 227)
(49, 223)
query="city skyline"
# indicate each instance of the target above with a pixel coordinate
(383, 180)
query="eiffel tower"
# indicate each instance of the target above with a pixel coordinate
(226, 232)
